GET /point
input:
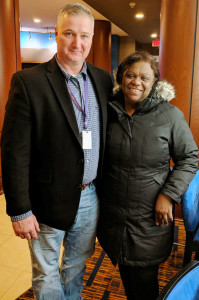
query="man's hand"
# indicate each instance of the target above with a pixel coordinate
(163, 210)
(26, 228)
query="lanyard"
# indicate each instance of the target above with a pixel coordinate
(85, 110)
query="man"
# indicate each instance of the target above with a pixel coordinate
(52, 149)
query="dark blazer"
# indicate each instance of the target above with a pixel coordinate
(42, 156)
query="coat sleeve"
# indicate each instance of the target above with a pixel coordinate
(15, 148)
(184, 153)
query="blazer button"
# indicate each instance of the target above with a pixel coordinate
(78, 186)
(80, 161)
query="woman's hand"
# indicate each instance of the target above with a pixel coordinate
(163, 210)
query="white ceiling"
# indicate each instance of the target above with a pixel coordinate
(47, 10)
(117, 11)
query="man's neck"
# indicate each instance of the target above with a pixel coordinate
(72, 68)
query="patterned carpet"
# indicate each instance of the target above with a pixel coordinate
(102, 280)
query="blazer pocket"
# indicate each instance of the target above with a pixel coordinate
(44, 176)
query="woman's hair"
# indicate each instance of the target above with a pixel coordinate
(74, 9)
(138, 56)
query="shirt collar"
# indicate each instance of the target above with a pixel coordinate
(83, 72)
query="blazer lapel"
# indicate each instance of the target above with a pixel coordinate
(58, 84)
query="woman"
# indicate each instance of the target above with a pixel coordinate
(144, 132)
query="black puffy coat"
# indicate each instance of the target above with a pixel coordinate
(136, 170)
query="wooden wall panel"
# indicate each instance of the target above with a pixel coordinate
(7, 51)
(177, 31)
(90, 56)
(194, 123)
(1, 189)
(102, 45)
(10, 60)
(17, 35)
(178, 48)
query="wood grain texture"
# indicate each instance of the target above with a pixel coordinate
(17, 35)
(179, 64)
(10, 60)
(102, 45)
(194, 121)
(89, 58)
(177, 32)
(1, 187)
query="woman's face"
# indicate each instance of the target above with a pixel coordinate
(137, 82)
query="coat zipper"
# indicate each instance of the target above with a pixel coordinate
(124, 236)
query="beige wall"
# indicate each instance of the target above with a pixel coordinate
(127, 46)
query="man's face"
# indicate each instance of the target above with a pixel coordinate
(74, 38)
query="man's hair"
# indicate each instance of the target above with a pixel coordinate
(75, 9)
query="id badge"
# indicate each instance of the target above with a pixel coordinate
(87, 139)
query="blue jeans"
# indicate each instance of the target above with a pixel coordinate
(50, 283)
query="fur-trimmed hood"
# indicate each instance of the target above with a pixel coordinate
(165, 90)
(162, 91)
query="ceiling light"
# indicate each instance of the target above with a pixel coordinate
(154, 35)
(37, 20)
(139, 15)
(132, 4)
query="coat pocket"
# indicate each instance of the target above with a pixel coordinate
(160, 178)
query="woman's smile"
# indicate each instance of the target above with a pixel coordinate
(137, 82)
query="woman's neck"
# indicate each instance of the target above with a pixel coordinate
(130, 108)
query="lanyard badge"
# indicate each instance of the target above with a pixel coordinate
(86, 134)
(87, 139)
